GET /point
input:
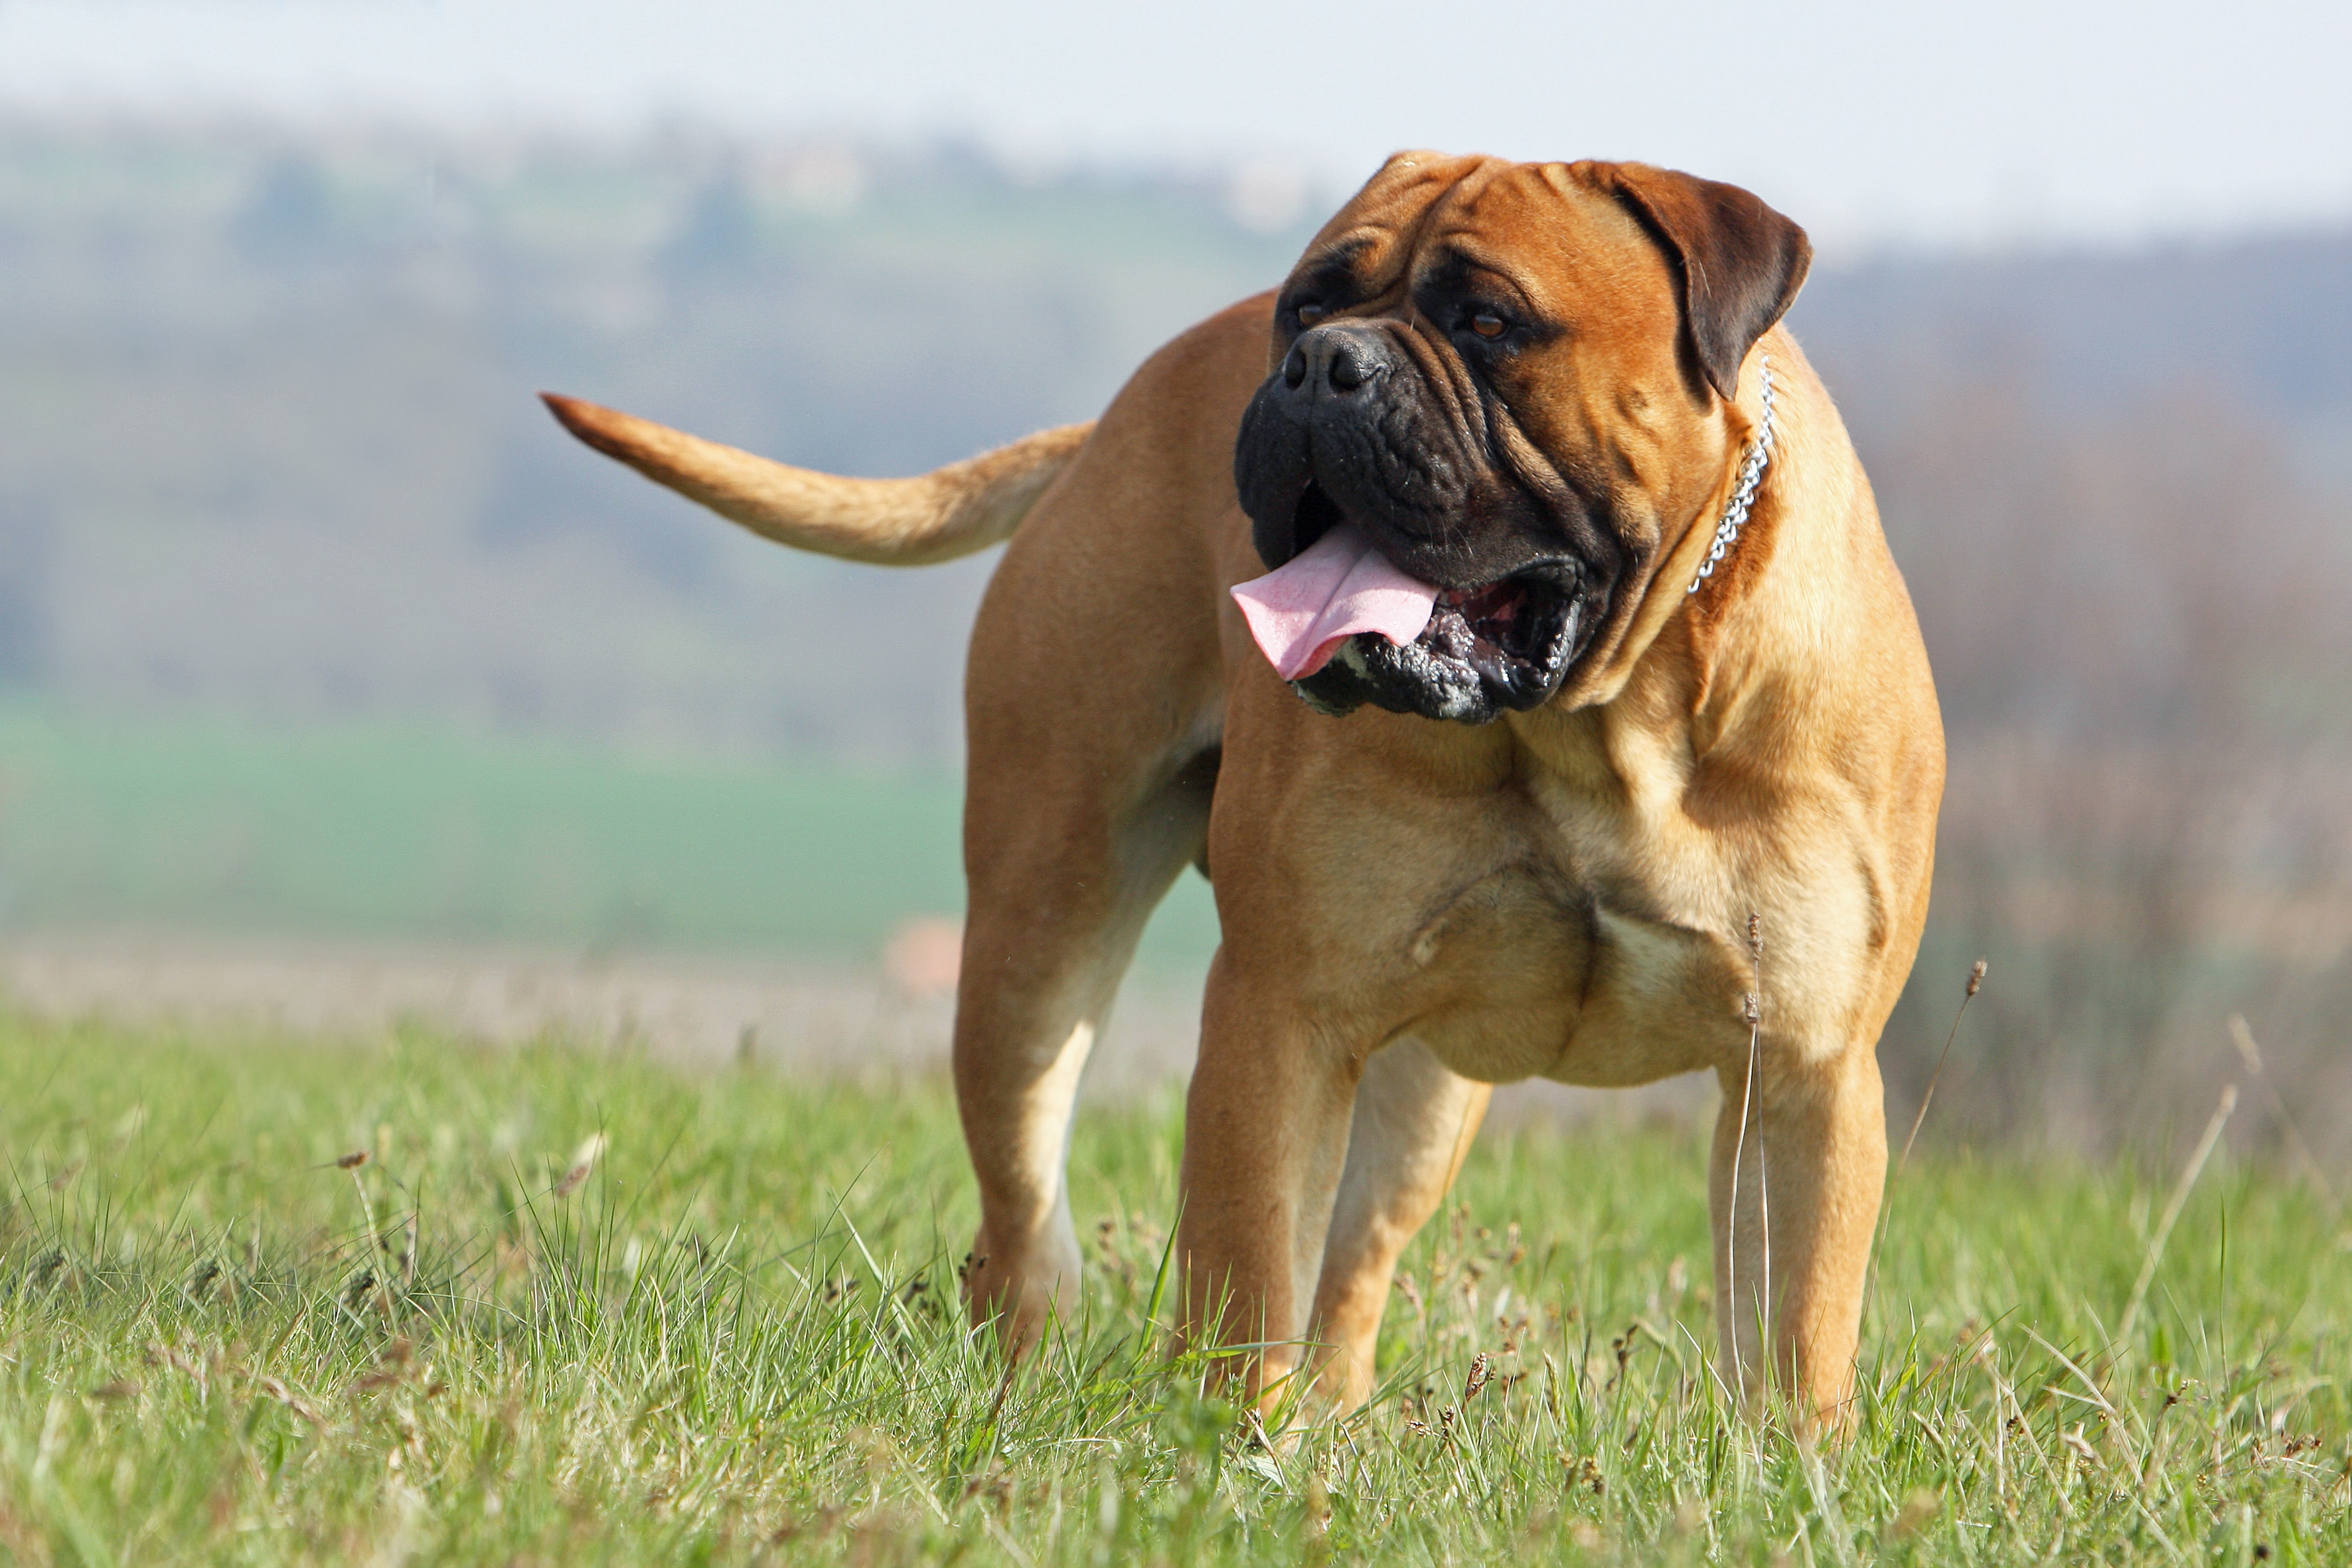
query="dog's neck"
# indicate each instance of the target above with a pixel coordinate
(1701, 555)
(1752, 464)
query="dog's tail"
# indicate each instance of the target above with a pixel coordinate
(948, 512)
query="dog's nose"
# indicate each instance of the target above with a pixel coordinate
(1335, 360)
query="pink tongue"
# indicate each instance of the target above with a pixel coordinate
(1338, 586)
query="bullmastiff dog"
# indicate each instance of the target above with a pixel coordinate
(1498, 614)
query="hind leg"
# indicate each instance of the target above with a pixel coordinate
(1092, 722)
(1414, 1121)
(1058, 899)
(1096, 692)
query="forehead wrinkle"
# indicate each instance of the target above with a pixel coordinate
(1412, 235)
(1456, 209)
(1593, 252)
(1344, 250)
(1358, 256)
(1449, 251)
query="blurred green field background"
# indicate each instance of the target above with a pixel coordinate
(383, 831)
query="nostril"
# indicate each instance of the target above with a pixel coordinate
(1346, 372)
(1294, 369)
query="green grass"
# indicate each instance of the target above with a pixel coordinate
(377, 830)
(735, 1338)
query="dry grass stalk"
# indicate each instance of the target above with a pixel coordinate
(291, 1400)
(2242, 1036)
(1481, 1367)
(351, 1162)
(390, 1368)
(2172, 1209)
(1886, 1204)
(1749, 1088)
(583, 1161)
(1976, 983)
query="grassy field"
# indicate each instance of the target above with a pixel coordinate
(382, 830)
(579, 1309)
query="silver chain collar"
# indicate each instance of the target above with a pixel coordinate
(1752, 474)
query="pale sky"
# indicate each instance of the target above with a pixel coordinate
(1990, 122)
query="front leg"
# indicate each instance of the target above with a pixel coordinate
(1413, 1124)
(1265, 1140)
(1794, 1188)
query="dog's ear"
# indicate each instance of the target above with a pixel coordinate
(1742, 263)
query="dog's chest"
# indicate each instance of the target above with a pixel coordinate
(1569, 954)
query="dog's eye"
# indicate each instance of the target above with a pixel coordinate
(1309, 313)
(1487, 324)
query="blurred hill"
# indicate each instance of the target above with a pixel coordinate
(2261, 324)
(269, 453)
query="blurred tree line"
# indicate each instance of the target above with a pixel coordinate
(267, 444)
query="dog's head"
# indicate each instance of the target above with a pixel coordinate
(1516, 380)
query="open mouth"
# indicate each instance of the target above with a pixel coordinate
(1503, 643)
(1511, 634)
(1346, 625)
